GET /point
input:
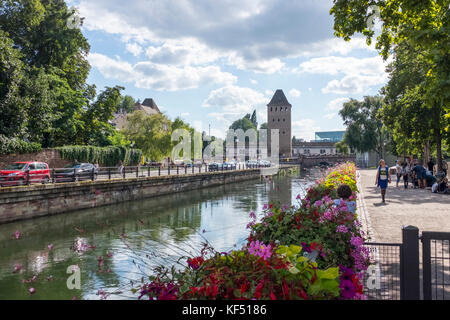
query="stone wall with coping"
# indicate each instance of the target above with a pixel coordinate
(50, 156)
(26, 202)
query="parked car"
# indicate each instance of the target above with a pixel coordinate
(215, 166)
(231, 165)
(19, 173)
(76, 172)
(251, 164)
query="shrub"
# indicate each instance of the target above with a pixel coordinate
(106, 156)
(15, 145)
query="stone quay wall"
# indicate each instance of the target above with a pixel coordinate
(27, 202)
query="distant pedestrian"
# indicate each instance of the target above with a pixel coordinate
(444, 167)
(120, 168)
(430, 165)
(405, 173)
(383, 178)
(398, 171)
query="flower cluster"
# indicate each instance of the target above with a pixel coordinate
(259, 249)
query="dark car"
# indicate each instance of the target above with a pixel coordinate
(216, 166)
(76, 172)
(20, 173)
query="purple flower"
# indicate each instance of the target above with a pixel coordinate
(252, 215)
(318, 203)
(265, 206)
(347, 289)
(342, 229)
(356, 241)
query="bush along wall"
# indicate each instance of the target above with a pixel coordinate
(106, 156)
(310, 251)
(15, 145)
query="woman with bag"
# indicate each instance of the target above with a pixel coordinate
(383, 178)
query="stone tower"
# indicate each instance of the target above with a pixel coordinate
(279, 117)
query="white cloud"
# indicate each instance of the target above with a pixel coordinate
(134, 48)
(346, 65)
(330, 116)
(356, 84)
(359, 74)
(305, 129)
(253, 81)
(294, 93)
(336, 104)
(185, 114)
(148, 75)
(234, 102)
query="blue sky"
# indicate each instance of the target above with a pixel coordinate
(211, 62)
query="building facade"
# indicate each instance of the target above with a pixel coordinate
(302, 148)
(331, 136)
(279, 118)
(148, 106)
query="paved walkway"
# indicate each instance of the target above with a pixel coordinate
(418, 207)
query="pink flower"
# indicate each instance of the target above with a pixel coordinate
(17, 234)
(31, 290)
(342, 229)
(252, 215)
(17, 268)
(50, 246)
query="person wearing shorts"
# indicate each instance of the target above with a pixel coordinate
(383, 178)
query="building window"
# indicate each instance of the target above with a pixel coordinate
(323, 151)
(276, 108)
(306, 151)
(278, 119)
(273, 119)
(271, 108)
(284, 120)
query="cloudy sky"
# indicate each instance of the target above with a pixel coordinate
(212, 62)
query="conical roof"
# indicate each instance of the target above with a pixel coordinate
(279, 99)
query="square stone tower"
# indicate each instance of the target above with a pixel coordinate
(279, 117)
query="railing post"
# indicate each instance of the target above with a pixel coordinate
(124, 172)
(137, 172)
(178, 170)
(74, 174)
(53, 175)
(28, 177)
(409, 264)
(109, 173)
(168, 170)
(148, 173)
(93, 174)
(159, 171)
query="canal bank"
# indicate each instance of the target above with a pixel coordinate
(21, 203)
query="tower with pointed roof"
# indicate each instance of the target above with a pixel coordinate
(279, 117)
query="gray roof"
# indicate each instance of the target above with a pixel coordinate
(149, 102)
(279, 99)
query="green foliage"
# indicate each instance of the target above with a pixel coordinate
(151, 134)
(419, 33)
(14, 145)
(106, 156)
(126, 104)
(365, 130)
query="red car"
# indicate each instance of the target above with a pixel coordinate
(21, 173)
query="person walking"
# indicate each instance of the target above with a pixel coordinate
(383, 178)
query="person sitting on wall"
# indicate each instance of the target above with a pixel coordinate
(344, 192)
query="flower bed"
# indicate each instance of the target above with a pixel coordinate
(311, 251)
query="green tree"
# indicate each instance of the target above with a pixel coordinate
(151, 134)
(425, 27)
(126, 104)
(253, 119)
(365, 131)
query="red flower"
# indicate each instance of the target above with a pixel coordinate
(273, 296)
(258, 289)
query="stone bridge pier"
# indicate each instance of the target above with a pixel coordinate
(314, 160)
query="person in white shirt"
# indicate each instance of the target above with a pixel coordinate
(434, 187)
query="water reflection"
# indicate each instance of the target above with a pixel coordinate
(139, 234)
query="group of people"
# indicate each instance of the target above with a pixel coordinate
(414, 172)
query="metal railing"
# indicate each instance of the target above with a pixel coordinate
(436, 265)
(64, 175)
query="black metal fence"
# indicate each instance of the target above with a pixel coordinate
(436, 265)
(60, 175)
(382, 280)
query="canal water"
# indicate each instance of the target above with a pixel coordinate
(113, 247)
